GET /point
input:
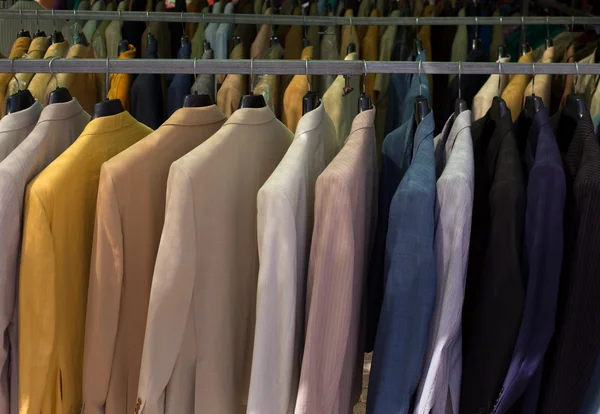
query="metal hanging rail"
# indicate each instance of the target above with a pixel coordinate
(284, 67)
(141, 16)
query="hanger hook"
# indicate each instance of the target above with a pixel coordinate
(533, 79)
(37, 18)
(106, 78)
(307, 77)
(577, 78)
(195, 86)
(53, 20)
(251, 76)
(364, 88)
(147, 16)
(501, 20)
(420, 84)
(547, 26)
(476, 27)
(459, 80)
(499, 76)
(12, 71)
(51, 72)
(21, 17)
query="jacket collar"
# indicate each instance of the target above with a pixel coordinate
(251, 116)
(21, 119)
(196, 116)
(107, 124)
(365, 119)
(60, 110)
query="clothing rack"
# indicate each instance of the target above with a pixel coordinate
(285, 67)
(172, 17)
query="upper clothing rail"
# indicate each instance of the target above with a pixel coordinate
(284, 67)
(292, 20)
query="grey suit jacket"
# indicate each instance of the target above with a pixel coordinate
(207, 269)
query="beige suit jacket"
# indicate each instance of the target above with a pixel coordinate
(483, 100)
(200, 329)
(340, 108)
(130, 212)
(345, 213)
(543, 83)
(515, 90)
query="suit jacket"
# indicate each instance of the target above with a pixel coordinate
(543, 244)
(180, 84)
(292, 97)
(129, 219)
(10, 27)
(19, 48)
(329, 51)
(113, 34)
(575, 345)
(98, 40)
(91, 25)
(459, 45)
(345, 213)
(270, 85)
(161, 32)
(293, 47)
(39, 83)
(205, 82)
(57, 127)
(60, 206)
(409, 285)
(586, 84)
(182, 373)
(37, 50)
(147, 101)
(197, 39)
(494, 295)
(223, 35)
(120, 83)
(369, 46)
(543, 83)
(234, 87)
(439, 388)
(211, 29)
(85, 87)
(515, 89)
(483, 99)
(349, 35)
(364, 10)
(15, 127)
(342, 109)
(285, 224)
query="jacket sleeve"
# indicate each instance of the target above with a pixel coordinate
(171, 293)
(104, 298)
(37, 307)
(273, 361)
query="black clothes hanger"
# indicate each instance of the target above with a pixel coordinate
(23, 33)
(311, 99)
(109, 106)
(575, 103)
(57, 37)
(123, 46)
(38, 32)
(236, 41)
(421, 103)
(364, 100)
(418, 43)
(351, 48)
(252, 100)
(460, 105)
(525, 47)
(196, 100)
(573, 111)
(58, 95)
(503, 52)
(20, 100)
(151, 40)
(533, 103)
(206, 45)
(499, 107)
(549, 41)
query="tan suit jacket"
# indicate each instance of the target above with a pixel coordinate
(130, 212)
(85, 87)
(234, 87)
(39, 83)
(483, 100)
(206, 271)
(270, 85)
(345, 213)
(515, 90)
(369, 47)
(349, 35)
(543, 83)
(342, 109)
(292, 97)
(293, 46)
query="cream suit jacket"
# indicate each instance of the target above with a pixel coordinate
(483, 100)
(130, 212)
(543, 83)
(345, 214)
(57, 127)
(285, 222)
(200, 329)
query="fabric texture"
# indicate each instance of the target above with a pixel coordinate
(15, 127)
(543, 248)
(494, 293)
(482, 101)
(439, 388)
(515, 89)
(129, 219)
(285, 223)
(205, 82)
(39, 83)
(292, 97)
(146, 96)
(180, 84)
(342, 109)
(543, 83)
(576, 343)
(60, 206)
(409, 284)
(345, 214)
(85, 87)
(57, 127)
(270, 85)
(234, 87)
(209, 265)
(120, 83)
(37, 50)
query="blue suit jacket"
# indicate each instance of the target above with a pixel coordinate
(409, 286)
(181, 84)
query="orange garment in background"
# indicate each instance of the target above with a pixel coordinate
(370, 51)
(292, 97)
(19, 48)
(120, 83)
(515, 90)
